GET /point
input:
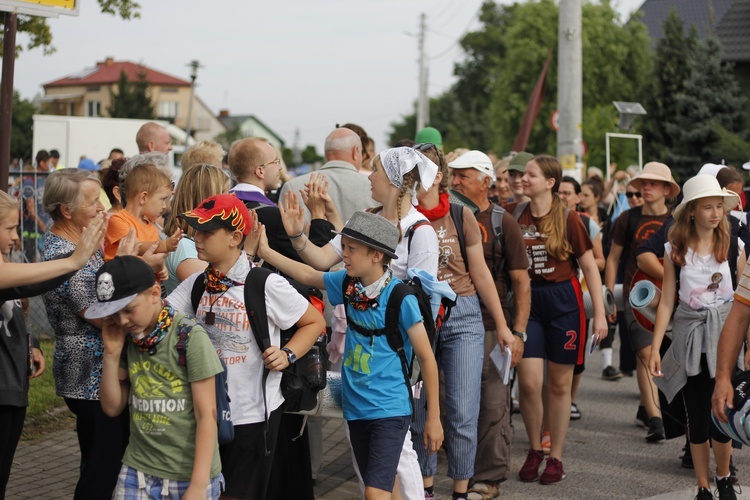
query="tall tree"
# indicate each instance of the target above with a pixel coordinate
(709, 111)
(669, 73)
(132, 99)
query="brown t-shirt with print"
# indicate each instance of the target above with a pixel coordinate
(514, 253)
(451, 266)
(544, 267)
(647, 225)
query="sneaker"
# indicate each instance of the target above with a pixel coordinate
(553, 472)
(530, 470)
(484, 490)
(704, 494)
(429, 496)
(627, 373)
(611, 373)
(575, 413)
(641, 418)
(546, 442)
(725, 489)
(655, 430)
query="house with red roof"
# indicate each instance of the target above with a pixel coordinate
(88, 93)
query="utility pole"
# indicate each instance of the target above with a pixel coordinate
(422, 103)
(194, 65)
(6, 95)
(569, 84)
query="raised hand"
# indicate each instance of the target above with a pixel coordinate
(174, 240)
(129, 245)
(91, 240)
(291, 215)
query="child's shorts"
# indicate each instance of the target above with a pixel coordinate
(377, 448)
(135, 485)
(557, 325)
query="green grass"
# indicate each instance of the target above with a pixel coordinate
(46, 412)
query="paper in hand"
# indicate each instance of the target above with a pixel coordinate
(592, 343)
(502, 360)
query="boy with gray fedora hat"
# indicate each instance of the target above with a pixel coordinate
(376, 403)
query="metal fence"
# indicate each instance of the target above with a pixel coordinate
(28, 188)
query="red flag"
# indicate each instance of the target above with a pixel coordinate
(532, 110)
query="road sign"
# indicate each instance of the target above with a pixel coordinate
(43, 8)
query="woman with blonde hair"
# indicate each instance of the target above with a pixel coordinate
(198, 183)
(556, 240)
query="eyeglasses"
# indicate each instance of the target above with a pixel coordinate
(277, 161)
(426, 146)
(630, 194)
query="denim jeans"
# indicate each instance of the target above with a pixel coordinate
(460, 354)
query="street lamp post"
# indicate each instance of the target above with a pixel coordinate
(194, 64)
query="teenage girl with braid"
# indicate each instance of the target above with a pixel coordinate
(397, 175)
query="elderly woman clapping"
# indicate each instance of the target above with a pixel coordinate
(71, 198)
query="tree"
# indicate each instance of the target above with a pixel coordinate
(40, 35)
(232, 134)
(132, 99)
(310, 155)
(485, 107)
(21, 128)
(667, 80)
(708, 111)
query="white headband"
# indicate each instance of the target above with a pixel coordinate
(398, 161)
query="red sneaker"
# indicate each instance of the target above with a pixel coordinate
(530, 470)
(553, 472)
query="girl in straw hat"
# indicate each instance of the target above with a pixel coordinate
(697, 252)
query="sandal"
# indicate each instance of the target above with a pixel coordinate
(483, 491)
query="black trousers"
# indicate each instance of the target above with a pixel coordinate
(697, 398)
(102, 440)
(11, 425)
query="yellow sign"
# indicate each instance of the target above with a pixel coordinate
(44, 8)
(568, 162)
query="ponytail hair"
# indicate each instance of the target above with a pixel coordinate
(554, 224)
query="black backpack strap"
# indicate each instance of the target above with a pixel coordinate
(413, 229)
(457, 214)
(395, 340)
(184, 327)
(496, 221)
(255, 304)
(199, 287)
(734, 250)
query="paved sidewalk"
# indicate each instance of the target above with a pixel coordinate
(606, 457)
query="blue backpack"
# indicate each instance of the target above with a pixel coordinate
(225, 428)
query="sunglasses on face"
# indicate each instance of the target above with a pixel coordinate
(630, 194)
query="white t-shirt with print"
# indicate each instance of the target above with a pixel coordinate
(234, 341)
(700, 284)
(424, 247)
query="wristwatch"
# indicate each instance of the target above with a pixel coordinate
(520, 335)
(290, 355)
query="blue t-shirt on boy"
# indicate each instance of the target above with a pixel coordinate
(371, 376)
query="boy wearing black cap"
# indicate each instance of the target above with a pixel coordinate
(377, 406)
(222, 222)
(173, 448)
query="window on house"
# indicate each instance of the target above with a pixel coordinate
(92, 108)
(93, 89)
(169, 109)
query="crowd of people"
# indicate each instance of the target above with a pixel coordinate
(149, 288)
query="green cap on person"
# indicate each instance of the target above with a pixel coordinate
(431, 135)
(518, 162)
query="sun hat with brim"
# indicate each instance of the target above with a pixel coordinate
(476, 160)
(118, 282)
(374, 231)
(711, 169)
(655, 171)
(518, 162)
(705, 186)
(222, 211)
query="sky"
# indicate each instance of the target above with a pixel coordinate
(296, 64)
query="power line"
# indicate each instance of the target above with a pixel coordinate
(457, 40)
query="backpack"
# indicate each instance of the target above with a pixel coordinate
(300, 394)
(412, 286)
(225, 428)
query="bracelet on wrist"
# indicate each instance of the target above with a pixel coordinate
(303, 247)
(297, 236)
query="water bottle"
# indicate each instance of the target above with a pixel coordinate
(316, 370)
